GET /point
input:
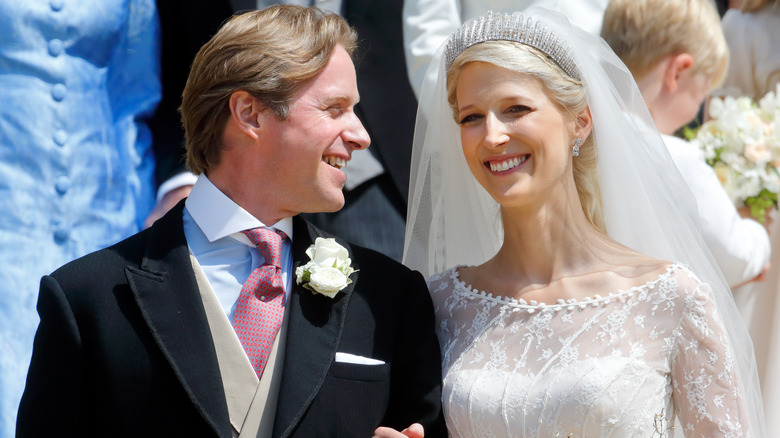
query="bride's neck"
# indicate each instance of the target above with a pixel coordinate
(550, 241)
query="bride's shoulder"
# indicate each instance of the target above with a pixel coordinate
(650, 267)
(444, 280)
(688, 284)
(668, 277)
(650, 273)
(443, 276)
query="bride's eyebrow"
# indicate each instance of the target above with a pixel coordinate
(518, 99)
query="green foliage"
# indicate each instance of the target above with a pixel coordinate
(690, 133)
(760, 203)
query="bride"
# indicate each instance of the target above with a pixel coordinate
(573, 293)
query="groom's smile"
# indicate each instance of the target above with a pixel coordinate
(337, 162)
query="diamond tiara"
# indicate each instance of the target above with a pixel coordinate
(493, 26)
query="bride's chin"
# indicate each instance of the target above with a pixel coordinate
(511, 200)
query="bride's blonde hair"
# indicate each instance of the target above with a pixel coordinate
(566, 92)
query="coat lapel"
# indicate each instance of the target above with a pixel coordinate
(165, 289)
(313, 334)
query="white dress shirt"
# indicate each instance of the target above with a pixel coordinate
(213, 226)
(740, 246)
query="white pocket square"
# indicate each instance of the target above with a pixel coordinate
(353, 358)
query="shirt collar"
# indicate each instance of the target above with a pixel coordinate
(218, 216)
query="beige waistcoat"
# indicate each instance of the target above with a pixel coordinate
(251, 403)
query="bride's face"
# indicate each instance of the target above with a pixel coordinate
(517, 141)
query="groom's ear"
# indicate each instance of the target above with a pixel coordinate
(245, 113)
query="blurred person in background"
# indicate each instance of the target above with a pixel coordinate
(753, 34)
(78, 167)
(752, 31)
(677, 53)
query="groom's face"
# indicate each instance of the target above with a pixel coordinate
(315, 142)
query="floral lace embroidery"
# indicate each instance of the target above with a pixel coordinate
(599, 366)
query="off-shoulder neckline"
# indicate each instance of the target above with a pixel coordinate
(572, 303)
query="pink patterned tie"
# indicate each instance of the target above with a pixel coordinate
(260, 306)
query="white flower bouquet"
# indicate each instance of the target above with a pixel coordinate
(742, 144)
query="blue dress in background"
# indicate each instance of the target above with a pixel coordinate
(78, 78)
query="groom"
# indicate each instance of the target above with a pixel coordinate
(206, 324)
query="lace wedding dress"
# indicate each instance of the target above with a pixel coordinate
(619, 365)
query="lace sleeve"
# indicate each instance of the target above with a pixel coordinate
(707, 394)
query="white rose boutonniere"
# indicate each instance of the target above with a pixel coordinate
(328, 270)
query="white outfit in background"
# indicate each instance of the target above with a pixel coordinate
(740, 246)
(428, 23)
(754, 70)
(754, 63)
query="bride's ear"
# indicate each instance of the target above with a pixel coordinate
(583, 123)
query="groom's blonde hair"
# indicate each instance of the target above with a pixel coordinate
(271, 54)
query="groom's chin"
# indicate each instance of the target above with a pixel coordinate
(331, 204)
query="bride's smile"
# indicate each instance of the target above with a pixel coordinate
(502, 165)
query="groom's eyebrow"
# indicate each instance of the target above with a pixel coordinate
(341, 99)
